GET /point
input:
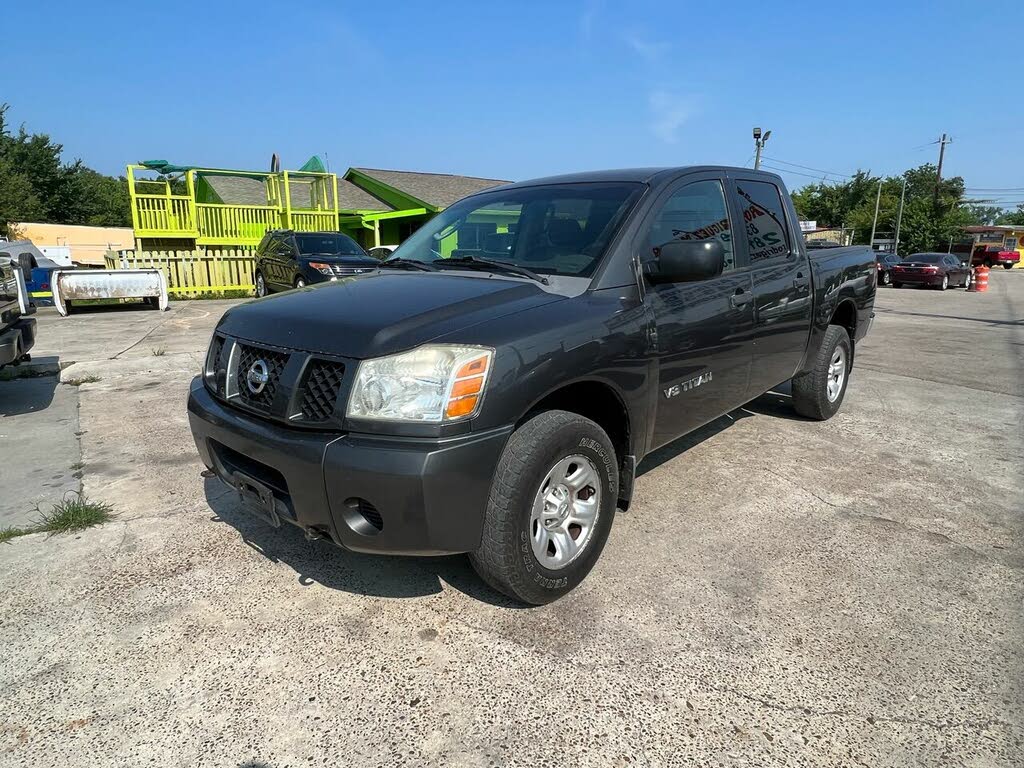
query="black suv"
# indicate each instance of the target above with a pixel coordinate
(287, 259)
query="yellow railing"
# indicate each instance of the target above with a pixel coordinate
(314, 221)
(164, 216)
(207, 272)
(235, 224)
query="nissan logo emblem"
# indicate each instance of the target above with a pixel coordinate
(257, 377)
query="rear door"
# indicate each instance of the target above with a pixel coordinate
(277, 252)
(781, 277)
(703, 329)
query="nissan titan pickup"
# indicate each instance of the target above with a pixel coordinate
(491, 386)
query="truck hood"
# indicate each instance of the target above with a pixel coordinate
(380, 313)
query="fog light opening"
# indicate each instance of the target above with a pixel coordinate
(362, 517)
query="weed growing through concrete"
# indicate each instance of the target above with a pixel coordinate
(74, 512)
(90, 379)
(158, 351)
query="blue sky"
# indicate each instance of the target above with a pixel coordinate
(521, 89)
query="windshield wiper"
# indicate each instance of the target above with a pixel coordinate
(497, 266)
(402, 263)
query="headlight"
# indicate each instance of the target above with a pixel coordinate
(319, 266)
(434, 383)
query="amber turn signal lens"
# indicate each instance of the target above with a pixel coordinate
(467, 388)
(461, 407)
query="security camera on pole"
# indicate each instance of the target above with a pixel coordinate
(759, 142)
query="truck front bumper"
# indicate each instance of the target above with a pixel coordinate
(414, 496)
(17, 340)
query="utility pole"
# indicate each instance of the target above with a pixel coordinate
(759, 142)
(899, 216)
(942, 154)
(874, 224)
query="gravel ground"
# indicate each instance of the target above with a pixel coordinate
(782, 592)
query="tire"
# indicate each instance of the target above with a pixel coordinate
(535, 454)
(261, 285)
(811, 390)
(886, 278)
(967, 282)
(1007, 266)
(945, 283)
(989, 263)
(300, 282)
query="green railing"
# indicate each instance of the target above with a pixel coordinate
(235, 224)
(296, 200)
(164, 216)
(313, 221)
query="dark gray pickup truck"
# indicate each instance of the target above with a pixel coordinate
(17, 329)
(491, 387)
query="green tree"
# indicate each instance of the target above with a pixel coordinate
(1015, 218)
(36, 185)
(930, 216)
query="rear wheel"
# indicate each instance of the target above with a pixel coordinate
(818, 393)
(1007, 266)
(551, 507)
(967, 281)
(886, 278)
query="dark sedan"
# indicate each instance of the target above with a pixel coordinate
(886, 261)
(935, 270)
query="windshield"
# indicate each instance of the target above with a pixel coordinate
(328, 245)
(550, 230)
(927, 258)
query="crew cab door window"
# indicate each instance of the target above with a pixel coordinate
(781, 276)
(696, 212)
(764, 216)
(703, 339)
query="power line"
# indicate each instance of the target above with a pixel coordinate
(795, 173)
(809, 168)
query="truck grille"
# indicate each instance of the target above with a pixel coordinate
(249, 360)
(320, 393)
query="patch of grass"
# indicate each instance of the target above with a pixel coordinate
(10, 532)
(158, 351)
(232, 293)
(74, 512)
(88, 379)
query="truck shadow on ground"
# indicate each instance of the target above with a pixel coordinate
(400, 577)
(30, 394)
(323, 563)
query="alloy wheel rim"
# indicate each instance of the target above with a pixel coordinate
(261, 287)
(945, 281)
(565, 511)
(836, 374)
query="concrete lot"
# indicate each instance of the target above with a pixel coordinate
(782, 592)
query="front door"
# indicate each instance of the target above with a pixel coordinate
(781, 276)
(703, 329)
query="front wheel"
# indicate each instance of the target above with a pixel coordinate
(818, 393)
(551, 507)
(300, 282)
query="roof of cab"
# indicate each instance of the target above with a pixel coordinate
(636, 175)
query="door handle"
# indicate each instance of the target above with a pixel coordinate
(740, 298)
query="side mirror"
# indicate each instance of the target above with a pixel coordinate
(686, 261)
